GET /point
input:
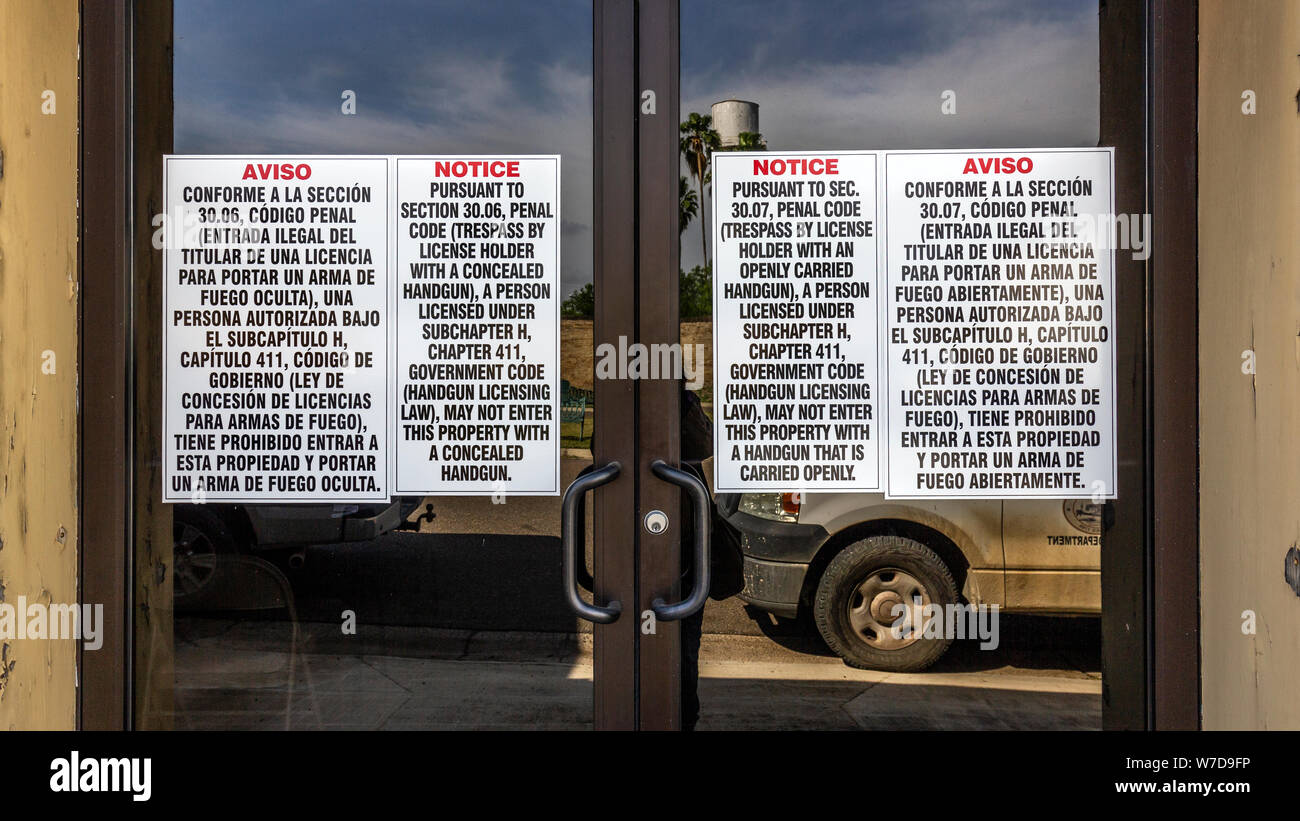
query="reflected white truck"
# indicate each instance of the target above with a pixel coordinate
(849, 560)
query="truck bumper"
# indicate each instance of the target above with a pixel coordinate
(774, 586)
(286, 525)
(778, 541)
(777, 555)
(372, 527)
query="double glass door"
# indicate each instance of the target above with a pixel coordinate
(586, 607)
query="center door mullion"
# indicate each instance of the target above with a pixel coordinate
(614, 535)
(658, 399)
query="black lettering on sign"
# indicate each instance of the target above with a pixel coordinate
(796, 322)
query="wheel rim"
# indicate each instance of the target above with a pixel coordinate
(872, 604)
(194, 561)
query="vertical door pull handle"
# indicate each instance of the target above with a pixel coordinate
(571, 538)
(699, 493)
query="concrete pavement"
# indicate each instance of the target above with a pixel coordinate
(258, 675)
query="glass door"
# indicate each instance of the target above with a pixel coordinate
(694, 563)
(433, 608)
(848, 608)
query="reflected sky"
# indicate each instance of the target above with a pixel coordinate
(483, 77)
(847, 74)
(502, 76)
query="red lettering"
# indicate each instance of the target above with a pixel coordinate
(998, 165)
(816, 166)
(476, 168)
(271, 171)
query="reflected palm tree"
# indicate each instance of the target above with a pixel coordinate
(698, 142)
(750, 141)
(688, 205)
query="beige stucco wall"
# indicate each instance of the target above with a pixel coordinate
(38, 333)
(1249, 237)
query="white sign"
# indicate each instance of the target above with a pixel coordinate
(275, 322)
(477, 325)
(796, 321)
(1000, 314)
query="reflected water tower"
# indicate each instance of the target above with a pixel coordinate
(731, 117)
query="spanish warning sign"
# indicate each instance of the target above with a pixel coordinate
(796, 324)
(1000, 317)
(275, 347)
(477, 325)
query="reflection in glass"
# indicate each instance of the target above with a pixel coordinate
(327, 616)
(792, 75)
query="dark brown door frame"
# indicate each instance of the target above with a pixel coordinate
(1174, 385)
(1150, 561)
(105, 486)
(106, 483)
(637, 670)
(1125, 537)
(1150, 587)
(1150, 572)
(614, 534)
(658, 400)
(126, 113)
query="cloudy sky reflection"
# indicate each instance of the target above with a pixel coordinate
(496, 76)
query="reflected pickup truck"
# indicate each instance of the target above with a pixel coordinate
(855, 563)
(203, 534)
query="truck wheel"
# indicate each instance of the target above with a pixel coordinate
(200, 543)
(858, 607)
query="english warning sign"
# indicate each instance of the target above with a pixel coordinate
(1000, 317)
(796, 325)
(477, 325)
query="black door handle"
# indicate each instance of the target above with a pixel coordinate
(701, 503)
(569, 541)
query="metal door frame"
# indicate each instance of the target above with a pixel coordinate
(614, 563)
(1150, 562)
(637, 661)
(658, 433)
(1150, 583)
(104, 683)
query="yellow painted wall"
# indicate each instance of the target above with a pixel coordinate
(38, 334)
(1249, 238)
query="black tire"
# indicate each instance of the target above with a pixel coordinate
(849, 623)
(201, 545)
